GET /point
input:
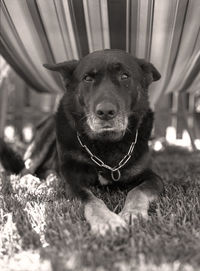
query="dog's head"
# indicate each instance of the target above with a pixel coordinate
(110, 89)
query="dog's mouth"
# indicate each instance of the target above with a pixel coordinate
(105, 126)
(107, 129)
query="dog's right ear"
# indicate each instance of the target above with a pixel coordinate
(66, 69)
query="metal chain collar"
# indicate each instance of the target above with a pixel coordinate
(115, 171)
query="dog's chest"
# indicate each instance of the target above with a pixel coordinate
(127, 174)
(102, 180)
(111, 159)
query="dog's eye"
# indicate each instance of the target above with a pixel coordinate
(88, 78)
(124, 76)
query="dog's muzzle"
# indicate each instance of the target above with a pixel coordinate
(109, 125)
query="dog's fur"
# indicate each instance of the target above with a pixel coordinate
(11, 161)
(106, 103)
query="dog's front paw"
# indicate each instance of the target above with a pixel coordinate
(102, 220)
(131, 215)
(111, 222)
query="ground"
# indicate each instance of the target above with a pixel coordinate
(42, 230)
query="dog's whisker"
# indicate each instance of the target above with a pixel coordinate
(128, 130)
(83, 118)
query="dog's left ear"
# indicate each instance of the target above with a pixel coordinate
(150, 72)
(66, 69)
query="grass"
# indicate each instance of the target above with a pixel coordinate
(41, 230)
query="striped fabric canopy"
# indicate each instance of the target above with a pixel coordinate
(165, 32)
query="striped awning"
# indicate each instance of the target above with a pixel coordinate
(167, 33)
(4, 68)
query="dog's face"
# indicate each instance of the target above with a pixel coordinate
(110, 87)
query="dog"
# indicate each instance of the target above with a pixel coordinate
(103, 125)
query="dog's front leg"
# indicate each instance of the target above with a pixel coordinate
(138, 199)
(100, 218)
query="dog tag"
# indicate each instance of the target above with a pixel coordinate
(116, 175)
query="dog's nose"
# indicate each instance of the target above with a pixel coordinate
(106, 110)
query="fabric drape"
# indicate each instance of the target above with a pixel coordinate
(167, 33)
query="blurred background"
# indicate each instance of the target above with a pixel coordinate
(166, 33)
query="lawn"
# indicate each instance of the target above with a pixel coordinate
(41, 230)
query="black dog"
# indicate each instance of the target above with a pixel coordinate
(103, 125)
